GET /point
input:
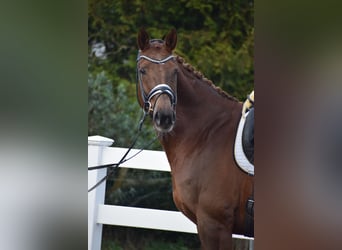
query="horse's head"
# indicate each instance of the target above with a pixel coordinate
(157, 79)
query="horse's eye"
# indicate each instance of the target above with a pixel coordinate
(142, 71)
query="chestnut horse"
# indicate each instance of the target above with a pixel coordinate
(196, 123)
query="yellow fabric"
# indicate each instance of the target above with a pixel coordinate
(248, 104)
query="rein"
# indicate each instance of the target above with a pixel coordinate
(147, 108)
(157, 90)
(123, 159)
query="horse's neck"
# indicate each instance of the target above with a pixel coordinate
(200, 101)
(201, 111)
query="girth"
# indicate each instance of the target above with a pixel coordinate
(249, 218)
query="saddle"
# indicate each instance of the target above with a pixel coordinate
(244, 141)
(248, 136)
(248, 149)
(248, 129)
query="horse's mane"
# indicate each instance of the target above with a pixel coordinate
(199, 75)
(157, 42)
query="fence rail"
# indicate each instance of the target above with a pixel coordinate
(100, 152)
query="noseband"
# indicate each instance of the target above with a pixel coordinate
(157, 90)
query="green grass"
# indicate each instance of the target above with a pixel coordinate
(125, 238)
(152, 245)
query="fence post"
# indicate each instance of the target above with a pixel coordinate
(96, 144)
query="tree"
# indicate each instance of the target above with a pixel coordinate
(216, 37)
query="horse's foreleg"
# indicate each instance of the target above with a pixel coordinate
(214, 235)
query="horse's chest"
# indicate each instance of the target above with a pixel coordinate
(185, 197)
(185, 190)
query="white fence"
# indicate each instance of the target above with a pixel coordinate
(100, 152)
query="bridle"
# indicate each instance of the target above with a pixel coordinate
(158, 90)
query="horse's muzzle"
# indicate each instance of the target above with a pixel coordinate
(164, 120)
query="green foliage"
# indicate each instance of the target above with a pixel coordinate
(115, 113)
(157, 245)
(216, 37)
(140, 188)
(147, 239)
(111, 245)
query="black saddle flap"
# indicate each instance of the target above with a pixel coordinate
(248, 136)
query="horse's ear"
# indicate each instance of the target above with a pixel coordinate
(143, 39)
(171, 40)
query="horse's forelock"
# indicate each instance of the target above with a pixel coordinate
(156, 43)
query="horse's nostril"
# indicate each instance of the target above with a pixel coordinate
(163, 119)
(166, 120)
(156, 119)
